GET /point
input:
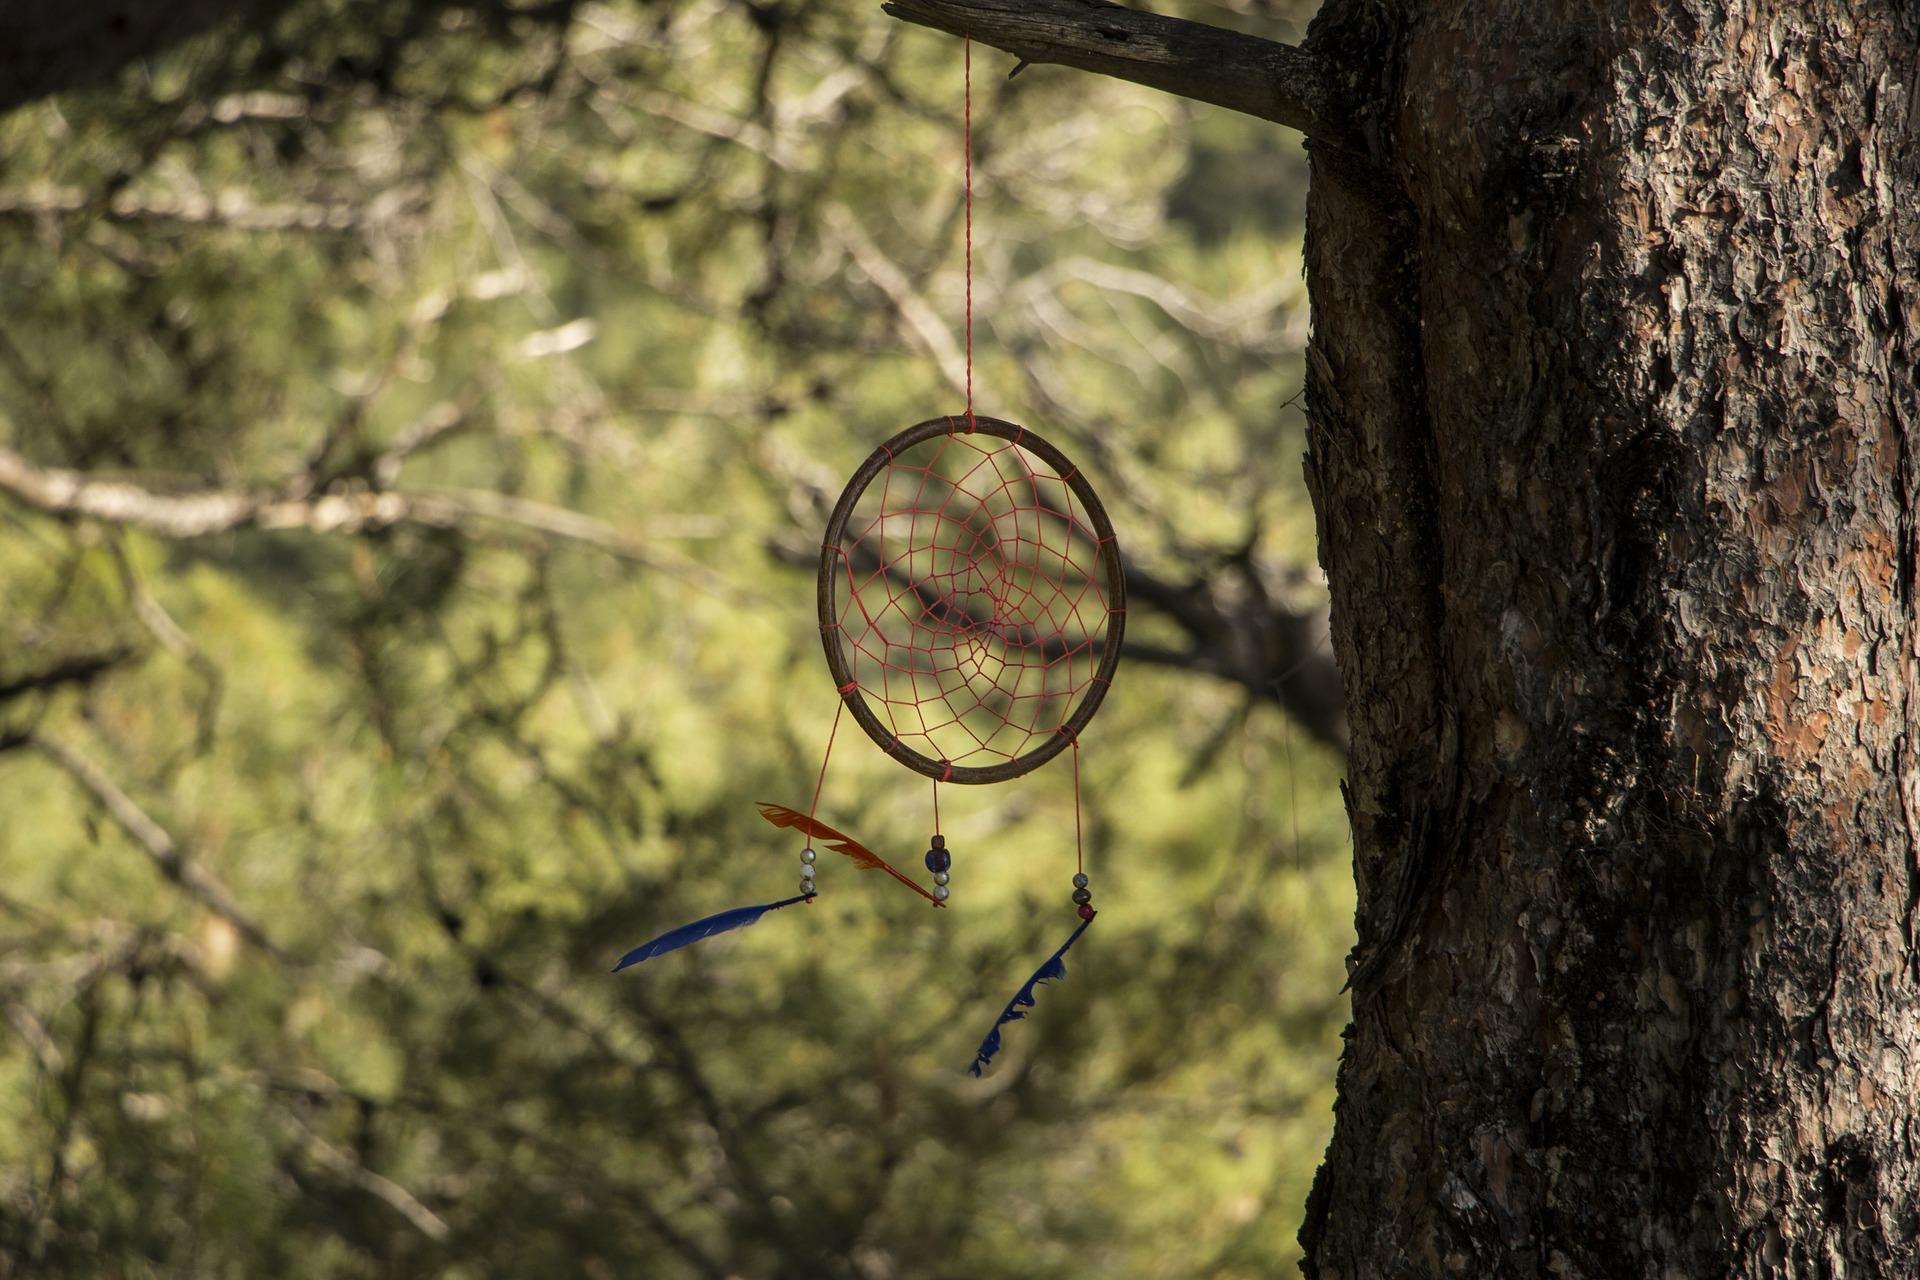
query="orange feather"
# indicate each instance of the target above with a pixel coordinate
(863, 857)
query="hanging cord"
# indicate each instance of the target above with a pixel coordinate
(1082, 894)
(1079, 855)
(939, 858)
(807, 855)
(966, 47)
(814, 808)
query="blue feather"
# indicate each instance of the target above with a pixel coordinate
(1055, 967)
(673, 940)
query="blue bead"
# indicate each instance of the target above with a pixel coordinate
(938, 860)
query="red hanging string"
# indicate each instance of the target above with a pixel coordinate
(826, 756)
(966, 58)
(1079, 856)
(966, 48)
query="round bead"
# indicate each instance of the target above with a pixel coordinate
(939, 841)
(938, 859)
(1080, 881)
(1082, 896)
(1086, 912)
(807, 856)
(940, 892)
(940, 877)
(806, 887)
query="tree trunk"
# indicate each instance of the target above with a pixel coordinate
(1613, 414)
(1614, 450)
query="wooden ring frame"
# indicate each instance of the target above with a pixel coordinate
(831, 553)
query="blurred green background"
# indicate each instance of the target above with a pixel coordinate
(475, 380)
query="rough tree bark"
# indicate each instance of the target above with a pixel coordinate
(1615, 447)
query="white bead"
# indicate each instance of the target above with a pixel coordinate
(806, 886)
(940, 892)
(940, 877)
(807, 856)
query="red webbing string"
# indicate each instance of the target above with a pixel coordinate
(966, 53)
(973, 607)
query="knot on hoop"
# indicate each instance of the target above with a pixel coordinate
(946, 774)
(849, 687)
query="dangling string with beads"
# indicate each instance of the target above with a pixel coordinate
(1056, 966)
(972, 606)
(938, 860)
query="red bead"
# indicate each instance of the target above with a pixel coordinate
(1086, 911)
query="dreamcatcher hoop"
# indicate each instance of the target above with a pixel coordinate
(947, 614)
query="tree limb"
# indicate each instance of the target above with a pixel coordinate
(1276, 653)
(919, 321)
(1238, 630)
(345, 1167)
(231, 209)
(60, 492)
(154, 840)
(174, 638)
(1263, 78)
(78, 669)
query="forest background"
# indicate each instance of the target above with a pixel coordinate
(416, 423)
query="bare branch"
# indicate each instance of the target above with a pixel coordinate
(1237, 630)
(172, 637)
(1263, 78)
(1278, 654)
(36, 1037)
(918, 318)
(79, 669)
(215, 511)
(715, 124)
(440, 421)
(345, 1167)
(154, 840)
(229, 209)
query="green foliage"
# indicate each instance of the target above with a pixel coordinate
(661, 268)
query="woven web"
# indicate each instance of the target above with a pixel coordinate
(971, 599)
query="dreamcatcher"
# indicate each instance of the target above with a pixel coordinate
(971, 607)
